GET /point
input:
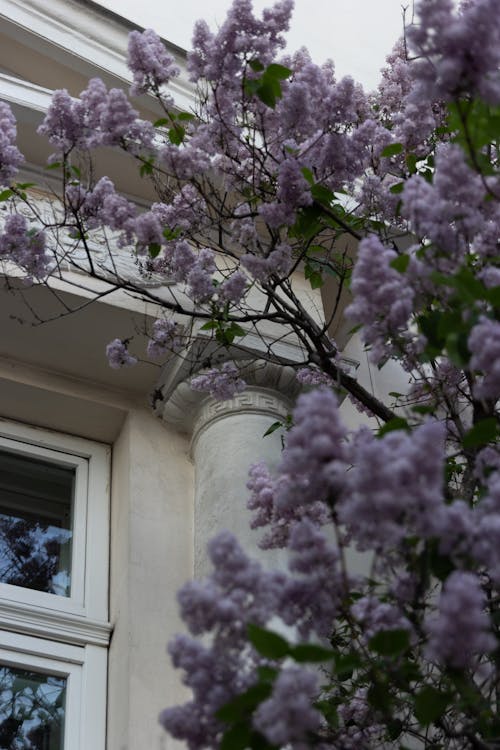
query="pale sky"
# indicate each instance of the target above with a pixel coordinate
(356, 34)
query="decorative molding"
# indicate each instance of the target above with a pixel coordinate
(52, 624)
(271, 390)
(252, 401)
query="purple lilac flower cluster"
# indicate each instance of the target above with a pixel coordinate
(484, 344)
(10, 156)
(165, 337)
(383, 298)
(458, 52)
(222, 384)
(26, 246)
(461, 630)
(118, 355)
(98, 118)
(149, 61)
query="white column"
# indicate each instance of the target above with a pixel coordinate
(226, 438)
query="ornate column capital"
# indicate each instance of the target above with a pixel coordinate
(271, 391)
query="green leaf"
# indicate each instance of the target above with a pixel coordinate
(242, 705)
(322, 194)
(267, 643)
(421, 409)
(390, 642)
(392, 149)
(456, 348)
(345, 664)
(154, 249)
(171, 234)
(411, 163)
(493, 296)
(310, 652)
(236, 737)
(26, 185)
(267, 674)
(307, 173)
(394, 728)
(398, 423)
(397, 188)
(440, 565)
(161, 122)
(266, 93)
(176, 135)
(186, 116)
(54, 165)
(256, 66)
(400, 263)
(275, 426)
(278, 71)
(329, 711)
(430, 704)
(379, 696)
(314, 276)
(210, 325)
(6, 194)
(146, 168)
(483, 432)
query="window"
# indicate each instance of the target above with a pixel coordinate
(54, 631)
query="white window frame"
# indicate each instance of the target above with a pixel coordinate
(67, 636)
(84, 669)
(90, 548)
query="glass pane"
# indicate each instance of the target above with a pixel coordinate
(31, 710)
(36, 508)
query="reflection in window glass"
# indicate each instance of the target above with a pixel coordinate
(31, 710)
(36, 507)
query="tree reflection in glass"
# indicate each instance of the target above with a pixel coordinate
(32, 708)
(36, 506)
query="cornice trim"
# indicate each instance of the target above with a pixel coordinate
(54, 625)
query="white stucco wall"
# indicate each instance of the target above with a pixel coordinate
(151, 556)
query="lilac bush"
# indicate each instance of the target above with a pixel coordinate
(277, 169)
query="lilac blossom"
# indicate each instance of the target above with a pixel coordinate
(458, 52)
(448, 212)
(200, 277)
(360, 727)
(314, 458)
(293, 189)
(238, 592)
(263, 487)
(103, 206)
(461, 630)
(118, 355)
(484, 345)
(26, 246)
(149, 61)
(10, 156)
(311, 598)
(395, 488)
(187, 210)
(278, 262)
(376, 616)
(165, 337)
(232, 289)
(222, 384)
(98, 117)
(288, 715)
(313, 376)
(383, 298)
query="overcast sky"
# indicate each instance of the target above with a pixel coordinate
(356, 34)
